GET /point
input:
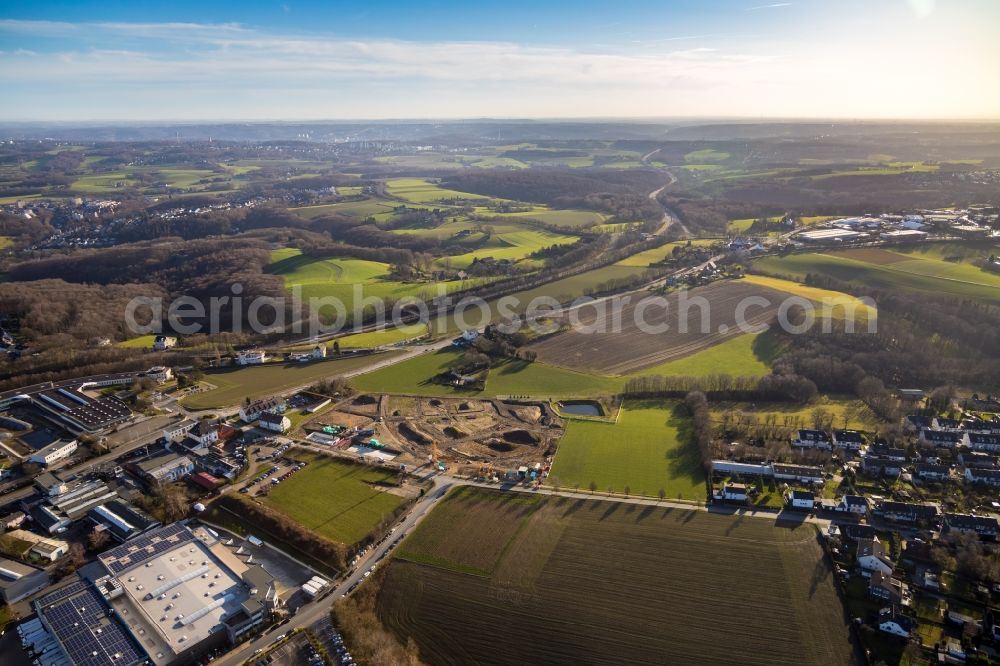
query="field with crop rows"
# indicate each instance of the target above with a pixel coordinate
(508, 579)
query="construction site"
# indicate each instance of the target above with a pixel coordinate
(483, 438)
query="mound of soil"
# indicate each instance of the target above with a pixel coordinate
(366, 400)
(454, 432)
(410, 432)
(521, 437)
(527, 414)
(436, 403)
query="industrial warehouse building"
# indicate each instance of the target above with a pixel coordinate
(166, 597)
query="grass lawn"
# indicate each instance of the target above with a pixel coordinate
(5, 242)
(337, 500)
(141, 342)
(747, 355)
(233, 386)
(847, 413)
(387, 336)
(514, 245)
(705, 156)
(649, 448)
(419, 190)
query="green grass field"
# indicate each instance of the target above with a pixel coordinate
(233, 386)
(5, 242)
(358, 209)
(140, 342)
(337, 278)
(924, 274)
(706, 156)
(649, 448)
(337, 500)
(388, 336)
(513, 245)
(419, 190)
(747, 355)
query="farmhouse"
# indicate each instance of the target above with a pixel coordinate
(891, 621)
(275, 422)
(872, 557)
(985, 477)
(812, 439)
(887, 588)
(252, 411)
(907, 512)
(801, 499)
(984, 526)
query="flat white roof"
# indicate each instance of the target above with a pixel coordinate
(176, 599)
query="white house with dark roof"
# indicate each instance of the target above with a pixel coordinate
(851, 440)
(891, 621)
(984, 526)
(812, 439)
(983, 442)
(802, 499)
(251, 411)
(275, 422)
(984, 477)
(872, 556)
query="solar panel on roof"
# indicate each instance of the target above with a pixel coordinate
(88, 633)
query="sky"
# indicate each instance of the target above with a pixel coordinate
(106, 60)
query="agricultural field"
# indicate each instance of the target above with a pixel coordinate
(884, 269)
(747, 355)
(418, 190)
(232, 386)
(340, 501)
(545, 580)
(706, 156)
(514, 245)
(666, 336)
(359, 209)
(645, 258)
(647, 449)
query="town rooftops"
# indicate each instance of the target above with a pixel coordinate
(984, 440)
(803, 495)
(847, 436)
(798, 470)
(887, 452)
(271, 417)
(976, 474)
(873, 546)
(947, 437)
(855, 501)
(918, 422)
(928, 468)
(813, 436)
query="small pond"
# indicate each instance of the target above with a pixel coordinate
(582, 408)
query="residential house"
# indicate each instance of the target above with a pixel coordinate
(984, 526)
(944, 423)
(891, 621)
(856, 504)
(872, 557)
(812, 439)
(929, 472)
(984, 477)
(49, 548)
(801, 499)
(275, 422)
(977, 459)
(916, 423)
(877, 466)
(888, 452)
(163, 342)
(888, 588)
(907, 512)
(251, 411)
(798, 473)
(250, 357)
(947, 439)
(983, 442)
(852, 440)
(857, 531)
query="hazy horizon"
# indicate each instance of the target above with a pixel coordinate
(302, 61)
